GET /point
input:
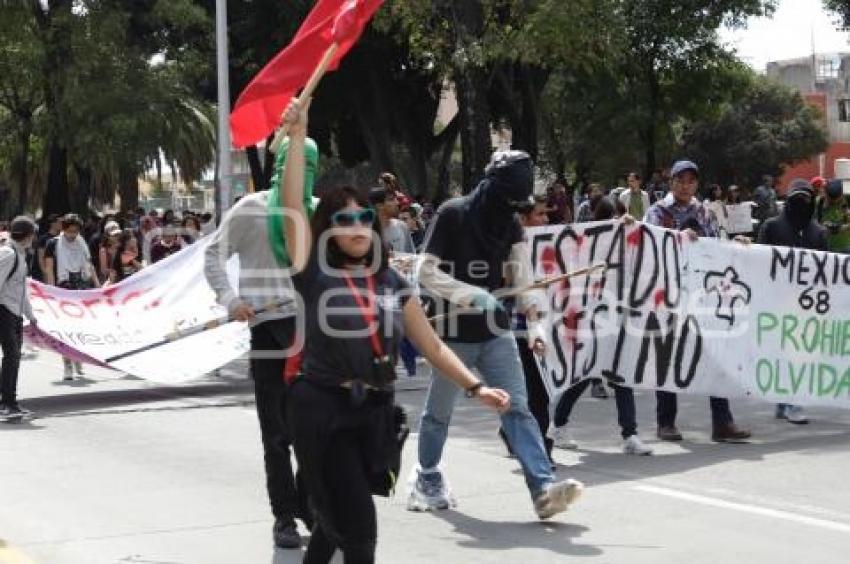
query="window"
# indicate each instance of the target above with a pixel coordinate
(827, 68)
(844, 110)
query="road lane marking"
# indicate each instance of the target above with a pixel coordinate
(748, 508)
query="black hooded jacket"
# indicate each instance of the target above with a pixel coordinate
(473, 235)
(795, 227)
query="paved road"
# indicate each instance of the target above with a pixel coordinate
(120, 470)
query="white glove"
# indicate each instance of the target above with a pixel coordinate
(537, 334)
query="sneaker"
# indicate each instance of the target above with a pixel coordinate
(562, 439)
(633, 445)
(730, 433)
(285, 534)
(782, 411)
(598, 391)
(430, 492)
(557, 498)
(14, 412)
(669, 433)
(79, 367)
(795, 414)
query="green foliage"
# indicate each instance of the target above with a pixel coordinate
(768, 125)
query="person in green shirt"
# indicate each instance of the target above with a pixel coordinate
(833, 212)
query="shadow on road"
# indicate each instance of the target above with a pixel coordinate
(498, 535)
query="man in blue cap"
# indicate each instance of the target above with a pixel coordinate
(680, 210)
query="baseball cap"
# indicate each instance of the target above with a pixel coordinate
(22, 227)
(818, 181)
(800, 187)
(681, 166)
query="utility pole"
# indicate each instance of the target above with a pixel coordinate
(223, 166)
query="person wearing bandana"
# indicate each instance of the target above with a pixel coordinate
(795, 227)
(253, 230)
(471, 242)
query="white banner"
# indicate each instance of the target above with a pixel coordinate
(706, 317)
(170, 296)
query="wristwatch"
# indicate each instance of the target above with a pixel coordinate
(473, 389)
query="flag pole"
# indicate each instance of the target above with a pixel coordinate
(311, 85)
(540, 284)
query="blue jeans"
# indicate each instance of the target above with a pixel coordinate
(497, 360)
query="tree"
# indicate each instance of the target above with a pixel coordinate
(20, 90)
(842, 9)
(666, 42)
(767, 127)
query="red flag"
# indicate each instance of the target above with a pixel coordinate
(257, 111)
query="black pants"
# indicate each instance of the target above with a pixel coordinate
(667, 406)
(11, 340)
(335, 441)
(625, 398)
(538, 397)
(268, 341)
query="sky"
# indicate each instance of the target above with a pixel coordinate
(788, 35)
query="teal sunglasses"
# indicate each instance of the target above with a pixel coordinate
(344, 218)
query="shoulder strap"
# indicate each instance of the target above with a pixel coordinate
(14, 266)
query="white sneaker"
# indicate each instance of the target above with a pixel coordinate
(633, 445)
(430, 492)
(557, 498)
(795, 414)
(562, 439)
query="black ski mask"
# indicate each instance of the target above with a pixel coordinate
(507, 186)
(799, 207)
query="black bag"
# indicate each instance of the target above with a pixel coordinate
(394, 430)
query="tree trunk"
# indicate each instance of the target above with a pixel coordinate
(444, 178)
(475, 140)
(471, 82)
(57, 198)
(650, 134)
(128, 188)
(257, 172)
(84, 189)
(23, 179)
(54, 27)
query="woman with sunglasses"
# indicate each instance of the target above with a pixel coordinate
(357, 309)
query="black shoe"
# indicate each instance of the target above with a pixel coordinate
(285, 534)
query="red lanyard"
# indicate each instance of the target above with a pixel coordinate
(367, 310)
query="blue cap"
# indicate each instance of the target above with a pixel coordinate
(681, 166)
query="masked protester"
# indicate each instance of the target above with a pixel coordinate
(795, 227)
(472, 241)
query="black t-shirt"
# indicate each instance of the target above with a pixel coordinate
(464, 257)
(50, 252)
(333, 354)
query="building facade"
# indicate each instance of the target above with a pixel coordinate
(824, 81)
